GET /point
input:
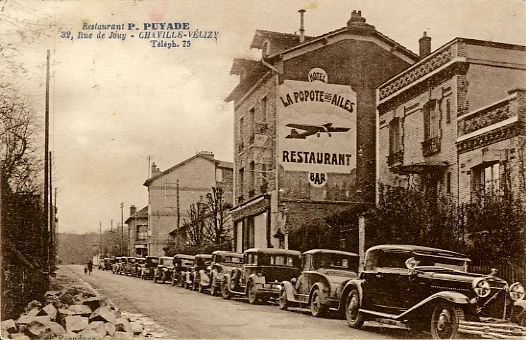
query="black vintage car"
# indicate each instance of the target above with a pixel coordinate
(107, 263)
(164, 269)
(430, 289)
(262, 273)
(320, 285)
(193, 279)
(222, 262)
(136, 269)
(182, 263)
(147, 268)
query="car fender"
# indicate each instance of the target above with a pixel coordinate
(520, 303)
(289, 288)
(323, 289)
(450, 296)
(358, 284)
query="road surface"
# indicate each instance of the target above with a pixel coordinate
(186, 314)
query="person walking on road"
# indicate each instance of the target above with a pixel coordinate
(89, 267)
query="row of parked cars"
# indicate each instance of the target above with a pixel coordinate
(421, 288)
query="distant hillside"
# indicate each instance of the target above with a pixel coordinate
(77, 248)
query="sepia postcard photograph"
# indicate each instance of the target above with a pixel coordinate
(294, 169)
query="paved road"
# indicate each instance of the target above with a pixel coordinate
(192, 315)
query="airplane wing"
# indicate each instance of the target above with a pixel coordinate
(311, 129)
(339, 129)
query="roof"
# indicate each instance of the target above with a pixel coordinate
(143, 213)
(221, 164)
(421, 250)
(281, 41)
(330, 251)
(184, 256)
(273, 251)
(225, 252)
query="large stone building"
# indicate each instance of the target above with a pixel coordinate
(451, 122)
(305, 127)
(171, 192)
(137, 231)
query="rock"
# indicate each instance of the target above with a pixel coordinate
(8, 326)
(20, 336)
(82, 310)
(49, 310)
(93, 303)
(110, 328)
(103, 314)
(90, 334)
(36, 328)
(137, 327)
(33, 305)
(44, 319)
(97, 326)
(122, 335)
(76, 323)
(123, 325)
(25, 319)
(56, 328)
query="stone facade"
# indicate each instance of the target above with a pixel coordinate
(450, 113)
(356, 56)
(171, 192)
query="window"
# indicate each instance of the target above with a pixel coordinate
(252, 177)
(395, 140)
(252, 123)
(219, 175)
(448, 111)
(448, 182)
(430, 121)
(241, 183)
(264, 113)
(487, 178)
(241, 133)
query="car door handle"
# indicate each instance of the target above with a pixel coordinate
(379, 275)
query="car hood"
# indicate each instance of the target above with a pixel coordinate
(446, 274)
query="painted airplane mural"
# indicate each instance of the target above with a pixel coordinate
(310, 130)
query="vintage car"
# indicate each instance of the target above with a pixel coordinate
(182, 264)
(430, 289)
(320, 285)
(130, 265)
(262, 273)
(136, 269)
(192, 278)
(107, 263)
(222, 262)
(115, 268)
(164, 269)
(147, 268)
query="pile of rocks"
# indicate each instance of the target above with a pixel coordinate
(65, 315)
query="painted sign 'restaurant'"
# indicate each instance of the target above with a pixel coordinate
(316, 127)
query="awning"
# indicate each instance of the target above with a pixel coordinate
(140, 246)
(255, 206)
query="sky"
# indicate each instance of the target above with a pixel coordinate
(118, 105)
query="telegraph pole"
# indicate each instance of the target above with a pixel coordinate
(46, 166)
(122, 228)
(100, 237)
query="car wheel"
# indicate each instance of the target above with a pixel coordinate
(163, 277)
(317, 309)
(181, 281)
(252, 293)
(200, 288)
(283, 301)
(154, 278)
(225, 293)
(213, 289)
(173, 282)
(352, 310)
(445, 320)
(195, 285)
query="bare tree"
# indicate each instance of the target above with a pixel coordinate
(194, 225)
(18, 157)
(218, 224)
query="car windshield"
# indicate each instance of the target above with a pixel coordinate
(168, 262)
(336, 261)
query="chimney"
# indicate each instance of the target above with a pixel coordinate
(356, 18)
(302, 28)
(207, 154)
(425, 45)
(133, 210)
(155, 170)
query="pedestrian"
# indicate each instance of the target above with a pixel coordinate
(90, 267)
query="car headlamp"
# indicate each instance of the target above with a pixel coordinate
(481, 287)
(517, 291)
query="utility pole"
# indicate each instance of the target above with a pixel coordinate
(100, 238)
(122, 227)
(46, 167)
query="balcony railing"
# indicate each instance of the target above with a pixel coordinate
(431, 146)
(395, 158)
